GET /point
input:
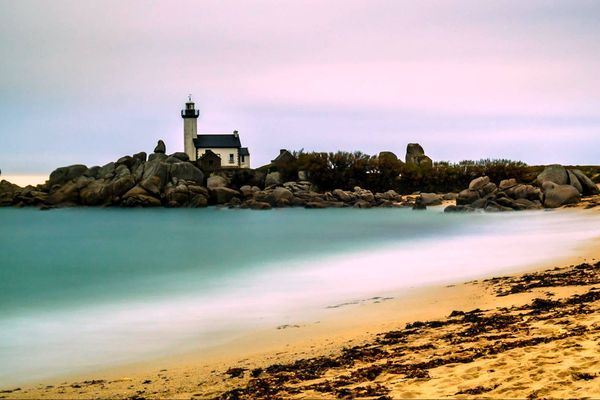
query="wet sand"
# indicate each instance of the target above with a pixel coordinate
(534, 334)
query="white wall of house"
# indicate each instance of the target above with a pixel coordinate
(244, 161)
(225, 154)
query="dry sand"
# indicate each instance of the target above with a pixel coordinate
(537, 334)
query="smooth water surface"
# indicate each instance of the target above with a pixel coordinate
(87, 288)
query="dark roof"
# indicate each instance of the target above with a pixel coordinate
(209, 154)
(244, 151)
(284, 156)
(227, 140)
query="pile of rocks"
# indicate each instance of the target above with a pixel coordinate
(173, 181)
(131, 181)
(303, 194)
(556, 186)
(564, 186)
(507, 196)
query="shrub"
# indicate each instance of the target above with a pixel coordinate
(345, 170)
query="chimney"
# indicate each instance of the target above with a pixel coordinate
(281, 151)
(235, 133)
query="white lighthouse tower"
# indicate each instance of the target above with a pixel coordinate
(190, 128)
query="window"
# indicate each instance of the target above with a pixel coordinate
(243, 158)
(231, 158)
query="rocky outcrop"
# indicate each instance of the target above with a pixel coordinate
(216, 181)
(588, 187)
(65, 174)
(160, 148)
(139, 197)
(173, 181)
(131, 181)
(186, 171)
(222, 195)
(68, 194)
(507, 196)
(573, 181)
(8, 191)
(573, 177)
(416, 155)
(553, 173)
(273, 179)
(282, 196)
(96, 193)
(511, 195)
(560, 195)
(560, 175)
(302, 194)
(430, 199)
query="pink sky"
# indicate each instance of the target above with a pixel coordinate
(90, 81)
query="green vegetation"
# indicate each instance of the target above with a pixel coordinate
(344, 170)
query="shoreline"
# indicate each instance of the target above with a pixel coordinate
(345, 326)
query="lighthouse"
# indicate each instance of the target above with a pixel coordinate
(190, 128)
(214, 150)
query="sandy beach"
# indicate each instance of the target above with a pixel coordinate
(527, 335)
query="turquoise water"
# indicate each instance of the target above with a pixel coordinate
(82, 289)
(69, 257)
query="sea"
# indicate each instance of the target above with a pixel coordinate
(84, 289)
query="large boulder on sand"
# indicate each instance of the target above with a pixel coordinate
(573, 181)
(430, 199)
(554, 173)
(467, 196)
(559, 195)
(588, 186)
